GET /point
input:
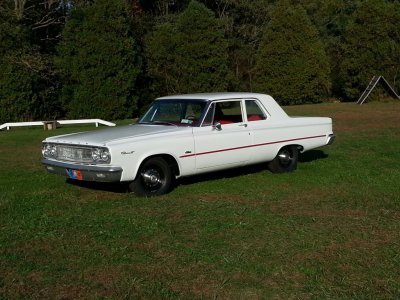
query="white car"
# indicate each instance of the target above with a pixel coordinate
(185, 135)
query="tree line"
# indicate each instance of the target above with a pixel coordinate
(109, 58)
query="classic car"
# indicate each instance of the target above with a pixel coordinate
(185, 135)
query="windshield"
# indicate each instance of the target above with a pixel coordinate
(175, 112)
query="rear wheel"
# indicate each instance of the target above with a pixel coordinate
(153, 179)
(285, 160)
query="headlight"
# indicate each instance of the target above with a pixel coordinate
(101, 155)
(49, 150)
(105, 155)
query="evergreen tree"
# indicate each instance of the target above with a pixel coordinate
(245, 22)
(28, 89)
(189, 53)
(372, 47)
(163, 7)
(99, 61)
(291, 63)
(331, 17)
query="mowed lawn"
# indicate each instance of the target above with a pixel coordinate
(329, 230)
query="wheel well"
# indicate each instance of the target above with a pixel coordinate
(299, 147)
(170, 160)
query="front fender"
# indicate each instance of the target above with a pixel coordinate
(130, 156)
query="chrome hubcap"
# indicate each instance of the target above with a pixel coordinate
(284, 157)
(151, 178)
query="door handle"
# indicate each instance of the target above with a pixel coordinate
(244, 125)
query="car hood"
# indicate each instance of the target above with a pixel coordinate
(104, 136)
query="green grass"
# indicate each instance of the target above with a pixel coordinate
(329, 230)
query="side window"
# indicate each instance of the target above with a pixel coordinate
(227, 112)
(254, 112)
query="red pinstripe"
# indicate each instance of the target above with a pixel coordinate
(250, 146)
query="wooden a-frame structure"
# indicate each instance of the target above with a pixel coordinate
(372, 84)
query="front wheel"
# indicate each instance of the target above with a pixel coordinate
(153, 179)
(285, 160)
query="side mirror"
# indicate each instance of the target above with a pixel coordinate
(217, 126)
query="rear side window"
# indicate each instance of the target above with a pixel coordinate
(254, 112)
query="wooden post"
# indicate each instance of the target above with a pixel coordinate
(49, 125)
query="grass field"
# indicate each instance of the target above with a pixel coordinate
(329, 230)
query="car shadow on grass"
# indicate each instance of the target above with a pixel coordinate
(217, 175)
(312, 155)
(122, 187)
(115, 187)
(305, 157)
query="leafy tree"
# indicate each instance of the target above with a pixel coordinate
(245, 22)
(291, 63)
(331, 18)
(372, 47)
(163, 7)
(189, 53)
(99, 61)
(27, 85)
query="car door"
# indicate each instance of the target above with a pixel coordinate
(263, 136)
(223, 140)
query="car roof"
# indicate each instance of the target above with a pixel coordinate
(213, 96)
(268, 102)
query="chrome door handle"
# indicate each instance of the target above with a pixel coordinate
(244, 125)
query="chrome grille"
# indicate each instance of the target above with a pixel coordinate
(74, 153)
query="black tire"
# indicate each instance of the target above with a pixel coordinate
(154, 178)
(285, 160)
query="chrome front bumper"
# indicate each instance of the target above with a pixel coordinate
(331, 139)
(84, 172)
